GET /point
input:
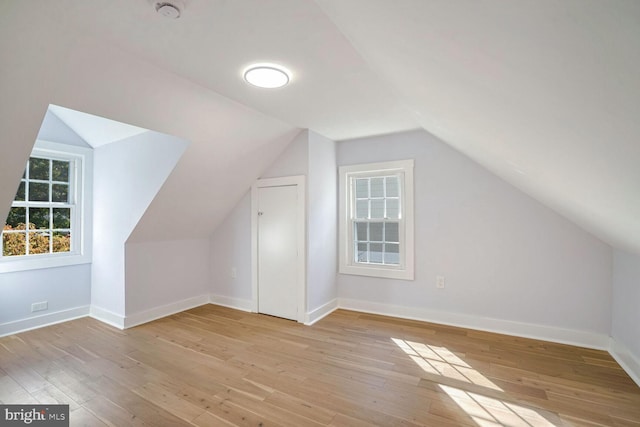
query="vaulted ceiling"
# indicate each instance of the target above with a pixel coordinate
(544, 94)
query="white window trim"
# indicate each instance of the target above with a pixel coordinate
(82, 214)
(347, 264)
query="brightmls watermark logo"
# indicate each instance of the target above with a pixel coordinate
(34, 415)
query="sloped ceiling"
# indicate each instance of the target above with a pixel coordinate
(544, 94)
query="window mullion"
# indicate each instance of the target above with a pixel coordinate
(50, 230)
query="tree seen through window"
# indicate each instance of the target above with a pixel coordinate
(40, 218)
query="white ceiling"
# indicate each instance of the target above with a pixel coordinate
(333, 90)
(544, 94)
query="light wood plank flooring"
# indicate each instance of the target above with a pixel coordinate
(213, 366)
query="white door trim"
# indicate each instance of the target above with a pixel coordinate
(299, 182)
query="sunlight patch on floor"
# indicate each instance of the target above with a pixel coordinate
(483, 410)
(491, 412)
(440, 361)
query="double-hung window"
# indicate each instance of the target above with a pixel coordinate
(376, 226)
(44, 224)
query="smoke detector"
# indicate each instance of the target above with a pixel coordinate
(169, 9)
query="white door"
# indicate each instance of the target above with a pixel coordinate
(278, 251)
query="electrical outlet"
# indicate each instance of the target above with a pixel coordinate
(440, 282)
(39, 306)
(234, 273)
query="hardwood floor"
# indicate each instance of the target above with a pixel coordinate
(213, 366)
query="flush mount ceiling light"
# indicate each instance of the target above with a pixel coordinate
(171, 9)
(268, 76)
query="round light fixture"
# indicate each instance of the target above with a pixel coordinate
(268, 76)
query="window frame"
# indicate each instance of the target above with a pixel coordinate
(79, 188)
(347, 176)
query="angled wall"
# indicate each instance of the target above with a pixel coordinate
(127, 176)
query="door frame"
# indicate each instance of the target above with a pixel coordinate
(299, 182)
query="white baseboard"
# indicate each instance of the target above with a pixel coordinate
(107, 316)
(629, 362)
(231, 302)
(525, 330)
(145, 316)
(23, 325)
(320, 312)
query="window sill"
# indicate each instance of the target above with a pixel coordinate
(37, 262)
(381, 272)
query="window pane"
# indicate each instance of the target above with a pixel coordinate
(61, 242)
(375, 231)
(16, 217)
(60, 193)
(39, 217)
(375, 253)
(391, 232)
(39, 243)
(362, 253)
(39, 169)
(377, 187)
(14, 244)
(20, 193)
(362, 188)
(393, 209)
(61, 218)
(392, 186)
(377, 209)
(375, 215)
(38, 192)
(362, 209)
(361, 231)
(60, 171)
(391, 253)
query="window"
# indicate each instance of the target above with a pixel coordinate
(376, 227)
(45, 219)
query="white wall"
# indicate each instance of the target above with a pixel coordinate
(67, 290)
(510, 263)
(231, 242)
(625, 328)
(322, 223)
(127, 176)
(294, 159)
(308, 154)
(165, 276)
(231, 250)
